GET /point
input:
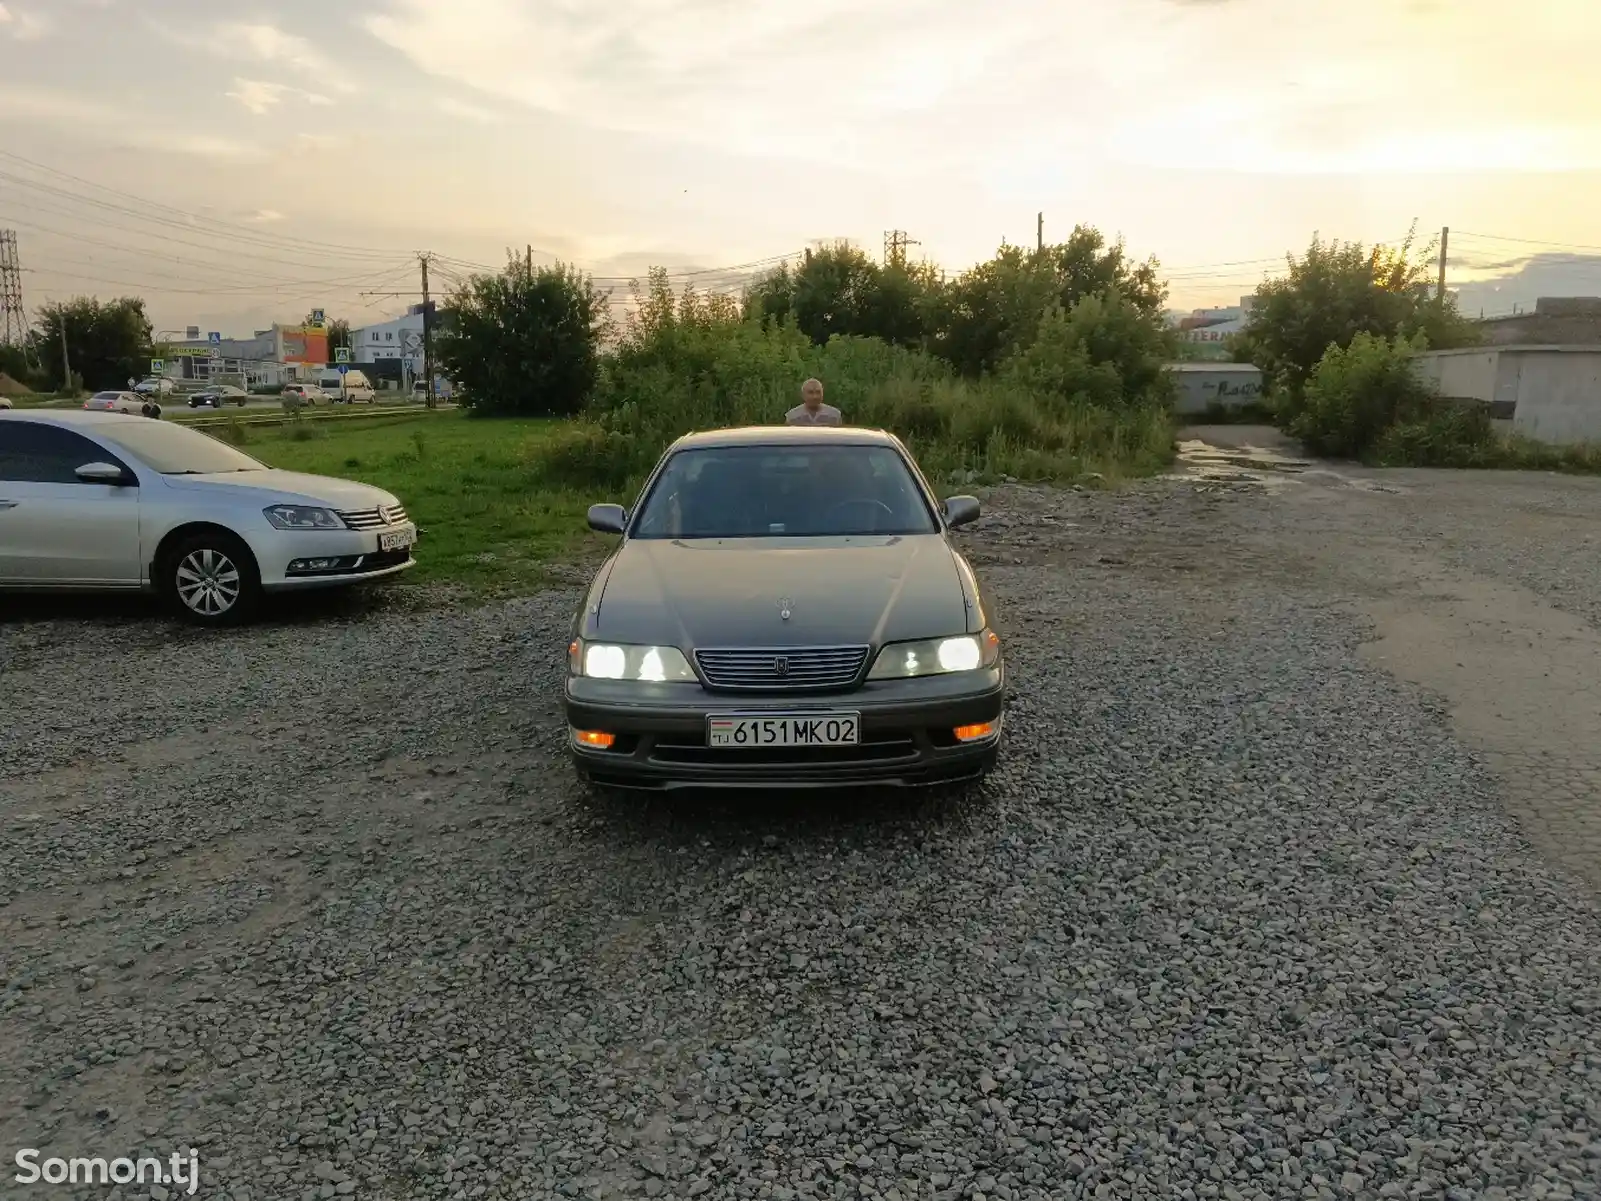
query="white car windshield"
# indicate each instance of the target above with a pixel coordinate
(174, 450)
(830, 490)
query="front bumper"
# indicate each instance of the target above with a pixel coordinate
(356, 557)
(907, 734)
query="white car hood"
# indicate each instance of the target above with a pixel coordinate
(287, 487)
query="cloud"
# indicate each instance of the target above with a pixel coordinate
(469, 112)
(23, 24)
(1039, 89)
(118, 124)
(261, 43)
(261, 97)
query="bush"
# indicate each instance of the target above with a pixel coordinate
(1104, 352)
(690, 362)
(1356, 394)
(1449, 436)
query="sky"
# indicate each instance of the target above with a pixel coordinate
(238, 163)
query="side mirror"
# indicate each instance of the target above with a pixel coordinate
(608, 519)
(959, 510)
(101, 473)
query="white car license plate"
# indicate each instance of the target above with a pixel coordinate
(397, 539)
(740, 731)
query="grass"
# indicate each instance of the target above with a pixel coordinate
(489, 521)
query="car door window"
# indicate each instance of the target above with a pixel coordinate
(34, 453)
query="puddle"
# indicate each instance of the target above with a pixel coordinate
(1235, 464)
(1257, 467)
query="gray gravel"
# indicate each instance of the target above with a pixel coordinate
(1238, 918)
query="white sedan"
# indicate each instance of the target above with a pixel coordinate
(106, 501)
(120, 402)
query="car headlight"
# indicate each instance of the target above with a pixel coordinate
(612, 661)
(303, 517)
(936, 656)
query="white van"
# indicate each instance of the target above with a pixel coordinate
(352, 387)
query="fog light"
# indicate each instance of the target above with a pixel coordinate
(598, 739)
(313, 564)
(977, 733)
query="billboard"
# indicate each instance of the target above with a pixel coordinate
(304, 344)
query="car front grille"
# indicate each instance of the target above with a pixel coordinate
(372, 519)
(781, 668)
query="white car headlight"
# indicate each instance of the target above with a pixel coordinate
(614, 661)
(936, 656)
(303, 517)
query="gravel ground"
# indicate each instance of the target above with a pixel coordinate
(1240, 916)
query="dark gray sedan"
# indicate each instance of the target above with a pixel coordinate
(785, 609)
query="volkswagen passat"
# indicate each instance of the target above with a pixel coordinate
(785, 608)
(108, 501)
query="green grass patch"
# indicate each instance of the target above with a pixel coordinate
(490, 520)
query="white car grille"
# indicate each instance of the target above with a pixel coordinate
(372, 519)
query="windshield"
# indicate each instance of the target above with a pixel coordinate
(107, 395)
(784, 491)
(174, 450)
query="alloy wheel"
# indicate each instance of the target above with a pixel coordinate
(208, 582)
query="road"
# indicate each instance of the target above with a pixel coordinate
(1288, 886)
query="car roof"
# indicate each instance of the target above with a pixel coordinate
(786, 435)
(71, 417)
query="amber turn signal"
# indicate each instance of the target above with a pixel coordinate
(598, 739)
(976, 732)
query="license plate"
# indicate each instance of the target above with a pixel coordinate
(397, 540)
(784, 729)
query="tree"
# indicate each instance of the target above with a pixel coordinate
(524, 342)
(840, 290)
(338, 335)
(994, 309)
(1335, 292)
(107, 342)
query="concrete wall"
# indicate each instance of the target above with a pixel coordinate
(1551, 393)
(1202, 385)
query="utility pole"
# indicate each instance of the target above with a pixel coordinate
(1039, 234)
(427, 333)
(1445, 241)
(66, 363)
(528, 260)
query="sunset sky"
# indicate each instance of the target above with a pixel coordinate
(323, 142)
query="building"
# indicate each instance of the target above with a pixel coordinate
(1549, 393)
(1204, 387)
(391, 342)
(1215, 325)
(1555, 321)
(269, 356)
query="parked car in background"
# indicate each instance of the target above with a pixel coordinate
(309, 394)
(218, 395)
(786, 608)
(156, 386)
(353, 387)
(122, 402)
(99, 501)
(5, 402)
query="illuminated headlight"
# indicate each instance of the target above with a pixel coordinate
(937, 656)
(303, 517)
(610, 661)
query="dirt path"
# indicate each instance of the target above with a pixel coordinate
(1484, 588)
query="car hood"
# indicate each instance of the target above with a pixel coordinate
(288, 487)
(727, 592)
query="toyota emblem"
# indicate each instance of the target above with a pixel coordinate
(781, 666)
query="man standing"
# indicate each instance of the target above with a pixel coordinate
(812, 410)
